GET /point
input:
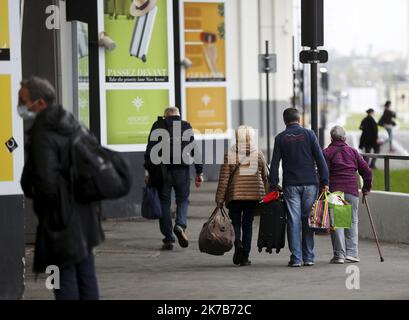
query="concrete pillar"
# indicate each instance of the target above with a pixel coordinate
(276, 26)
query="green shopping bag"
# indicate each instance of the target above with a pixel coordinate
(341, 215)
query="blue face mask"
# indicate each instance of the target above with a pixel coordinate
(25, 113)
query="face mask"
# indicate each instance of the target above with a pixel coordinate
(26, 114)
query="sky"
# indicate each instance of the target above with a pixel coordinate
(360, 24)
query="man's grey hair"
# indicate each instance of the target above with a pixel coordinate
(171, 111)
(40, 88)
(338, 133)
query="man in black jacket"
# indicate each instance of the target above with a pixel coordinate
(67, 231)
(369, 137)
(169, 153)
(387, 121)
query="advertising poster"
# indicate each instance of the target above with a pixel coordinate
(4, 31)
(131, 113)
(83, 103)
(137, 77)
(207, 109)
(83, 73)
(204, 28)
(11, 125)
(6, 130)
(139, 29)
(205, 97)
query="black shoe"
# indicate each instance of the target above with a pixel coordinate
(238, 252)
(294, 264)
(167, 246)
(245, 261)
(181, 235)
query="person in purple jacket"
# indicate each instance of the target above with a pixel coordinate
(343, 163)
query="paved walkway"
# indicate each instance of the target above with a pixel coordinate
(130, 265)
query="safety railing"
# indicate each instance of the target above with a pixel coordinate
(387, 160)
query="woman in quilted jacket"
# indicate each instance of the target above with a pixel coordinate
(243, 182)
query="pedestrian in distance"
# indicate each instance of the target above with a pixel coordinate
(299, 152)
(387, 121)
(369, 138)
(243, 182)
(170, 151)
(343, 163)
(67, 230)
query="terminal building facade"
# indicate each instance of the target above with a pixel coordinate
(117, 64)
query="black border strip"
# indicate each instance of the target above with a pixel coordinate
(4, 54)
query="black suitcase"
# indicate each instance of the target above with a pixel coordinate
(273, 220)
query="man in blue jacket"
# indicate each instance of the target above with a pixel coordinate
(301, 154)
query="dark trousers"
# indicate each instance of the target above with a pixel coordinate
(78, 282)
(242, 215)
(177, 178)
(376, 150)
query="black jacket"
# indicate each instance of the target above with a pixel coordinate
(369, 137)
(387, 118)
(186, 132)
(67, 230)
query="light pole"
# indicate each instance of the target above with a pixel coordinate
(312, 36)
(324, 107)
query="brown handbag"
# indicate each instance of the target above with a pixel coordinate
(217, 235)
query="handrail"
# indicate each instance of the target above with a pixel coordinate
(386, 158)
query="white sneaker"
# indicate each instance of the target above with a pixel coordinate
(336, 260)
(350, 259)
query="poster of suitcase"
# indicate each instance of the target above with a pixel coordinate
(4, 31)
(205, 41)
(131, 113)
(138, 28)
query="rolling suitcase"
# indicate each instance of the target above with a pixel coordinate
(273, 219)
(142, 35)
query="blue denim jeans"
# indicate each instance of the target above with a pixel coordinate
(242, 215)
(345, 241)
(299, 201)
(78, 282)
(177, 178)
(389, 130)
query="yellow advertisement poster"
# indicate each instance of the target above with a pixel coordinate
(6, 130)
(207, 109)
(205, 41)
(4, 31)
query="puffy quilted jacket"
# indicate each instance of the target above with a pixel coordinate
(249, 182)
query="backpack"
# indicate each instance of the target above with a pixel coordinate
(176, 143)
(97, 173)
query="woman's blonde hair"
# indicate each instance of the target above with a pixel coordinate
(245, 135)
